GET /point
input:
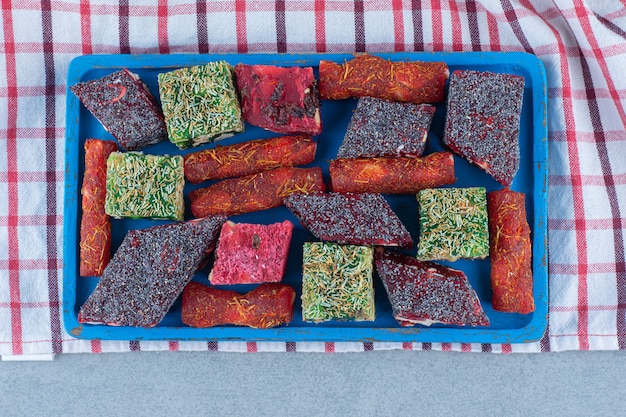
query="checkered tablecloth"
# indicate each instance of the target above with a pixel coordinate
(583, 47)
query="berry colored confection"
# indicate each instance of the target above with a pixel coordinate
(373, 76)
(358, 219)
(200, 104)
(280, 99)
(391, 175)
(249, 157)
(95, 224)
(483, 121)
(125, 107)
(251, 253)
(264, 190)
(268, 305)
(337, 282)
(145, 186)
(386, 128)
(453, 224)
(149, 271)
(510, 254)
(427, 293)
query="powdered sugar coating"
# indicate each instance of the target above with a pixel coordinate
(386, 128)
(426, 293)
(483, 120)
(149, 271)
(125, 107)
(350, 218)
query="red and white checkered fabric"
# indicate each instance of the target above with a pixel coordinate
(582, 44)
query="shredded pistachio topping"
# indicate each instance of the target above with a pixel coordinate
(453, 224)
(337, 282)
(144, 186)
(200, 103)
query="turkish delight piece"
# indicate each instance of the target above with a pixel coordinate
(453, 224)
(337, 282)
(95, 224)
(149, 271)
(483, 121)
(386, 128)
(370, 75)
(145, 186)
(510, 252)
(200, 104)
(391, 175)
(422, 292)
(280, 99)
(268, 305)
(250, 253)
(249, 157)
(125, 107)
(358, 219)
(260, 191)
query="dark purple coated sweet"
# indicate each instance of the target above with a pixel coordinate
(483, 120)
(427, 293)
(350, 218)
(125, 107)
(386, 128)
(149, 271)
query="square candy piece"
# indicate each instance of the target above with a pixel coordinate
(280, 99)
(200, 104)
(145, 186)
(251, 253)
(483, 121)
(386, 128)
(337, 282)
(125, 107)
(453, 224)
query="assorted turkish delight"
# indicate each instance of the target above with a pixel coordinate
(149, 271)
(453, 224)
(200, 104)
(280, 99)
(337, 282)
(145, 186)
(386, 128)
(125, 107)
(483, 120)
(358, 219)
(249, 253)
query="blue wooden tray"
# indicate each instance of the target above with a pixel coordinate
(531, 179)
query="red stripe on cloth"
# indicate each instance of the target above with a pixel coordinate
(457, 33)
(494, 34)
(202, 24)
(240, 26)
(437, 25)
(474, 30)
(329, 347)
(398, 26)
(162, 28)
(359, 26)
(85, 26)
(583, 19)
(96, 346)
(320, 26)
(446, 347)
(466, 347)
(507, 348)
(513, 20)
(173, 346)
(418, 25)
(123, 29)
(251, 347)
(12, 185)
(281, 28)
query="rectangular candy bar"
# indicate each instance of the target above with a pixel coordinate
(391, 175)
(125, 107)
(145, 186)
(200, 104)
(249, 157)
(264, 190)
(95, 224)
(510, 254)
